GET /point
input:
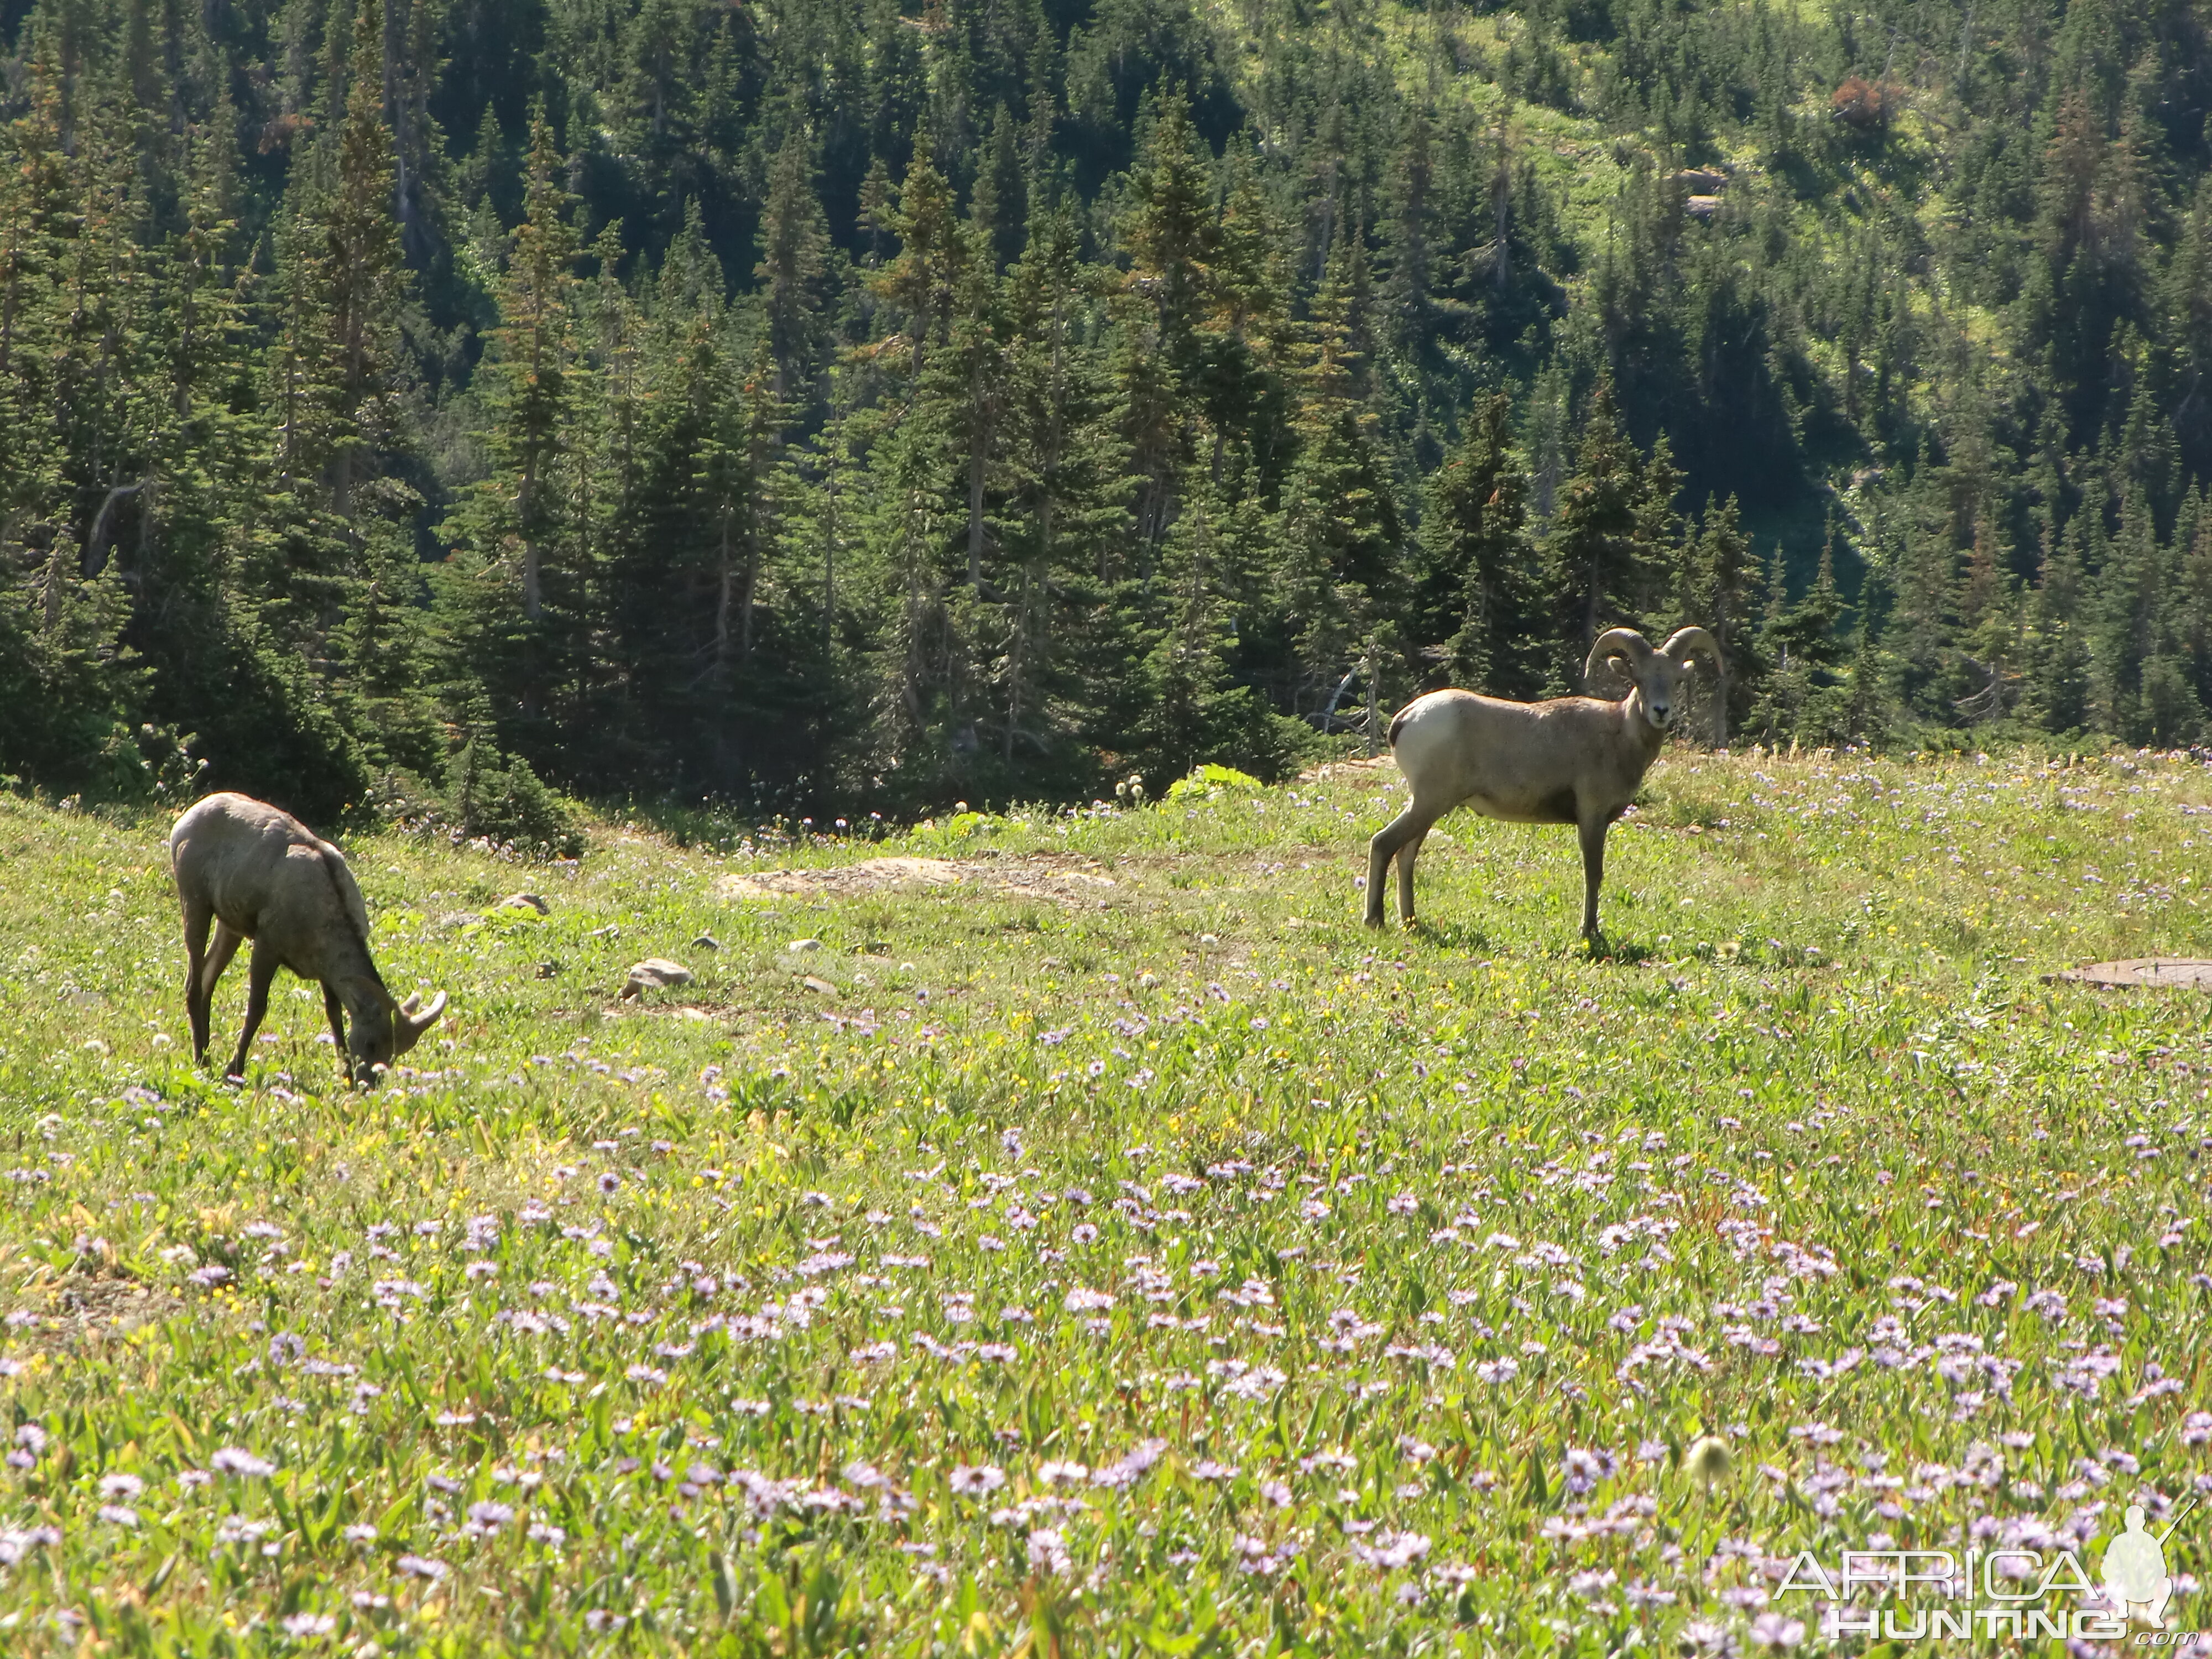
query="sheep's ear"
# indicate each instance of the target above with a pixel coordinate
(366, 987)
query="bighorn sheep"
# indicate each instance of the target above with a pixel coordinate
(1571, 760)
(260, 873)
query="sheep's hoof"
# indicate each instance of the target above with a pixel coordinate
(1373, 918)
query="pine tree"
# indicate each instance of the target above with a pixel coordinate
(965, 389)
(60, 677)
(740, 473)
(1606, 541)
(1483, 592)
(1250, 347)
(1339, 532)
(794, 263)
(1065, 511)
(1191, 711)
(922, 282)
(1989, 626)
(1716, 595)
(995, 517)
(521, 593)
(360, 279)
(531, 373)
(1169, 229)
(1407, 288)
(2058, 694)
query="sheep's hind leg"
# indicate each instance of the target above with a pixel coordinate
(1593, 839)
(225, 946)
(1407, 855)
(199, 916)
(260, 974)
(1407, 826)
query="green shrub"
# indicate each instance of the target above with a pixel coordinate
(1205, 782)
(491, 797)
(956, 830)
(498, 798)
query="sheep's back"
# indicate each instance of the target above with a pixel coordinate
(1507, 760)
(254, 864)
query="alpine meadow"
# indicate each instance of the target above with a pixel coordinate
(1077, 1234)
(827, 582)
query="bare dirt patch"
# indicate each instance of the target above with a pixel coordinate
(2138, 971)
(1340, 768)
(81, 1308)
(1065, 881)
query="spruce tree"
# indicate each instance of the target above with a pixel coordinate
(1606, 540)
(795, 264)
(359, 278)
(1191, 711)
(531, 372)
(525, 611)
(1483, 593)
(1169, 230)
(1065, 512)
(1716, 572)
(922, 280)
(1340, 533)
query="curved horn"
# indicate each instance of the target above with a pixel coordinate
(1615, 642)
(412, 1025)
(1684, 642)
(414, 1001)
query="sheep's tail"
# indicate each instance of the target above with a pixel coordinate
(1397, 726)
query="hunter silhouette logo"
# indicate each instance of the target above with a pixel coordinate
(2135, 1568)
(2015, 1592)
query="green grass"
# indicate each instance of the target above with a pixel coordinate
(1377, 1235)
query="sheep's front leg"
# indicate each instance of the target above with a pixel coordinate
(260, 974)
(1593, 839)
(335, 1011)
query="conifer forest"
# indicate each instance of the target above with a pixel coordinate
(435, 407)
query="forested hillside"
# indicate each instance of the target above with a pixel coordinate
(834, 406)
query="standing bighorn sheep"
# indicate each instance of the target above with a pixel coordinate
(261, 874)
(1570, 760)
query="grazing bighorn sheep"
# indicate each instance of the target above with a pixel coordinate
(1570, 760)
(260, 873)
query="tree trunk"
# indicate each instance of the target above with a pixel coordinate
(979, 441)
(398, 113)
(1501, 214)
(1373, 698)
(725, 582)
(94, 559)
(525, 505)
(53, 594)
(1016, 655)
(745, 599)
